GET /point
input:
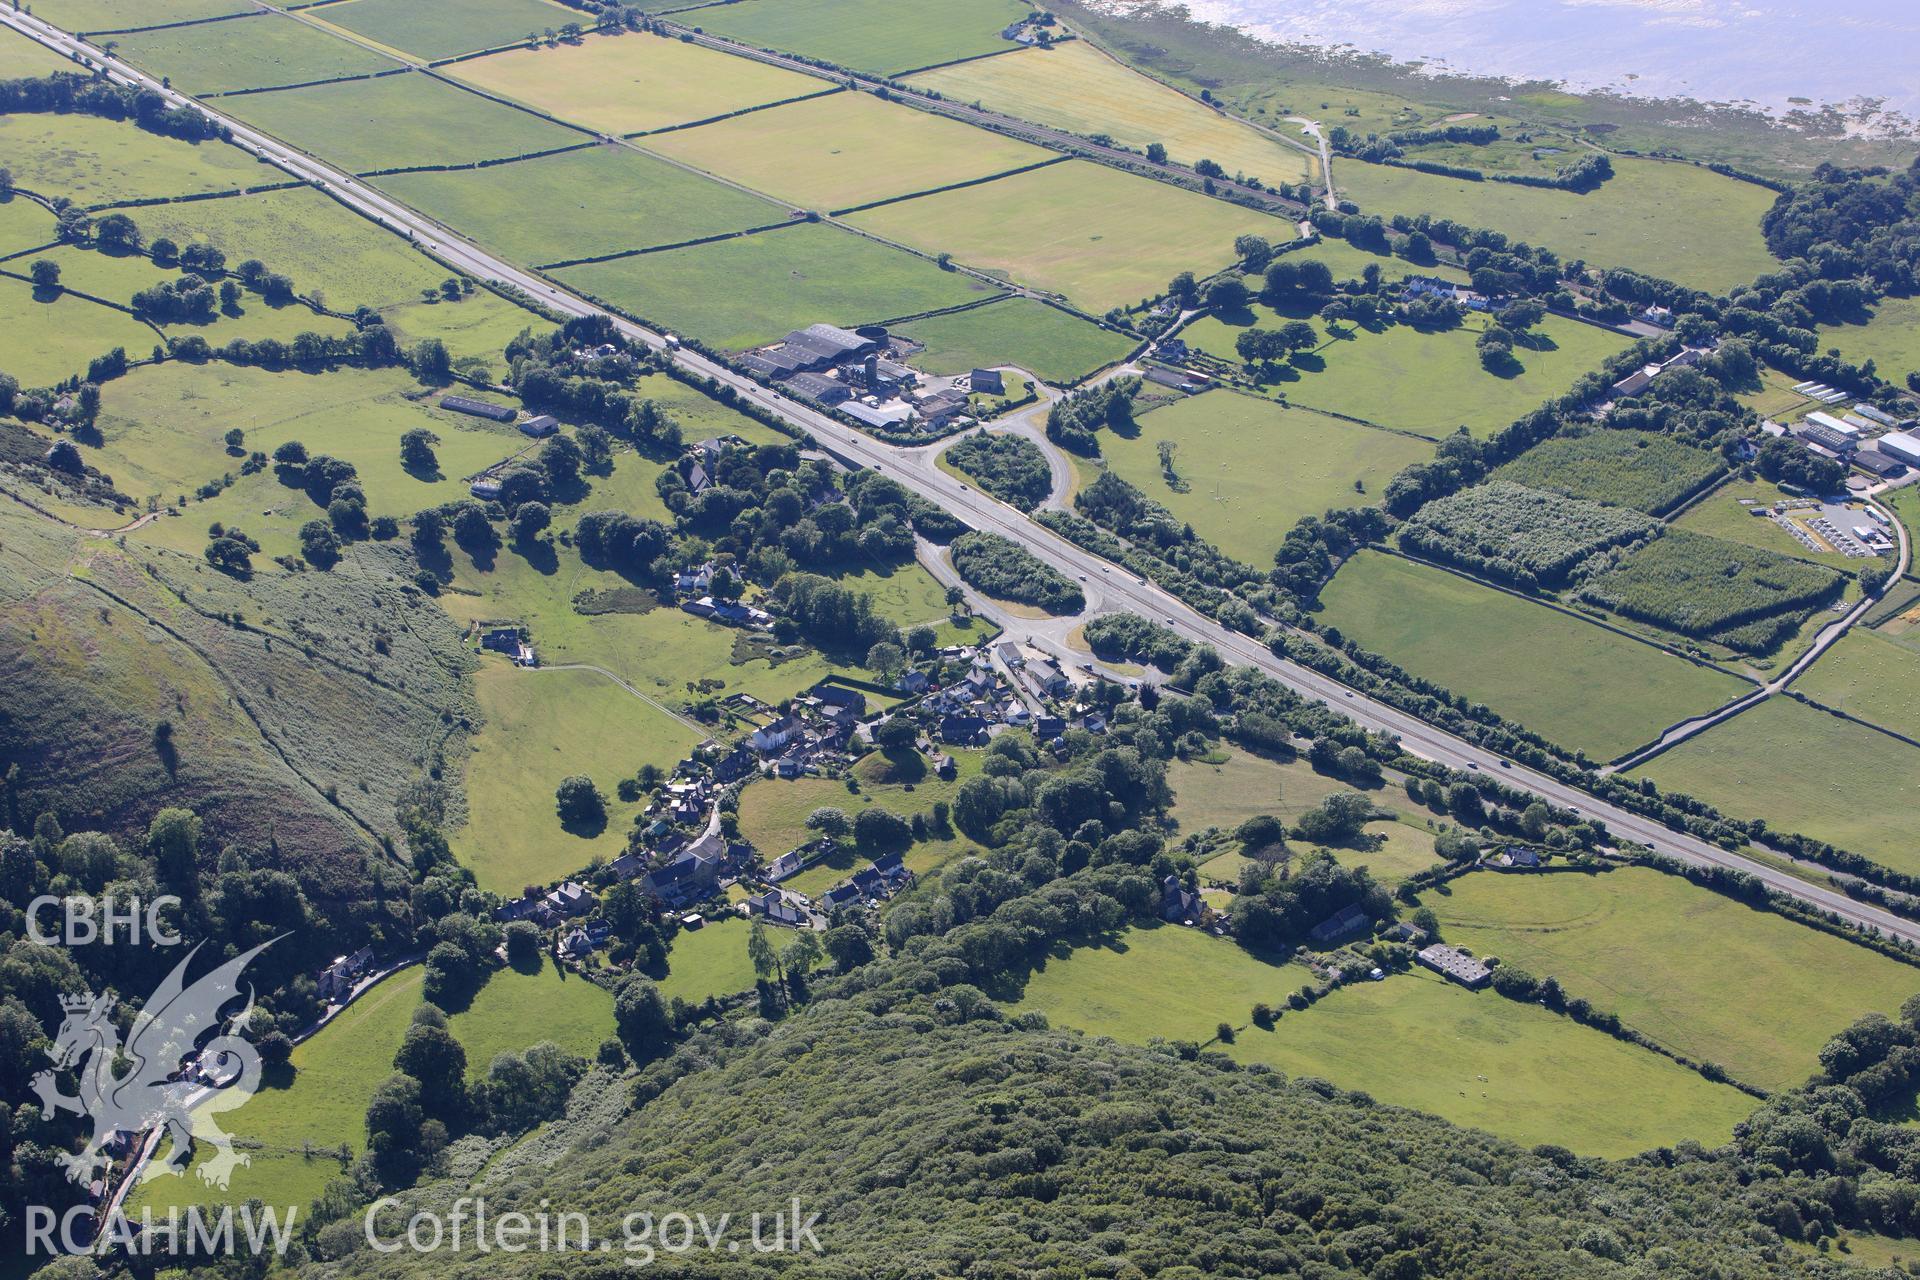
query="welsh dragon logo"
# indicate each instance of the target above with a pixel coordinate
(169, 1079)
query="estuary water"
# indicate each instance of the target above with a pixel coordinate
(1862, 56)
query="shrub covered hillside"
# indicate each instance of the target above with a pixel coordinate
(936, 1147)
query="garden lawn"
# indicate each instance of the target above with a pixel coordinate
(540, 727)
(264, 50)
(843, 150)
(1870, 675)
(518, 1009)
(446, 28)
(95, 160)
(1516, 1070)
(1666, 219)
(633, 83)
(1630, 941)
(306, 235)
(596, 201)
(321, 1104)
(395, 121)
(1077, 87)
(1098, 237)
(710, 961)
(1054, 345)
(883, 36)
(1640, 469)
(120, 15)
(749, 290)
(1574, 682)
(1247, 469)
(24, 225)
(1808, 772)
(1891, 339)
(53, 337)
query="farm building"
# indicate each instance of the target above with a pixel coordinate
(1880, 464)
(884, 416)
(478, 408)
(818, 388)
(987, 382)
(1455, 965)
(540, 427)
(1901, 445)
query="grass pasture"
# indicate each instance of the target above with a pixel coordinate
(121, 15)
(21, 58)
(394, 121)
(1247, 469)
(842, 150)
(1640, 469)
(1094, 235)
(1052, 344)
(53, 337)
(540, 727)
(24, 225)
(1667, 219)
(774, 811)
(260, 51)
(480, 324)
(633, 83)
(322, 1105)
(1804, 771)
(1891, 338)
(598, 201)
(777, 281)
(1870, 675)
(94, 160)
(1075, 86)
(1413, 1041)
(1527, 661)
(517, 1010)
(709, 961)
(445, 28)
(881, 36)
(1629, 942)
(1226, 792)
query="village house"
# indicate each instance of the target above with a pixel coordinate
(1347, 922)
(986, 382)
(569, 900)
(785, 865)
(336, 981)
(773, 907)
(771, 737)
(1178, 904)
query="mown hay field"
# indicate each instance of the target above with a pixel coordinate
(843, 150)
(261, 51)
(1055, 345)
(1666, 219)
(1804, 771)
(633, 83)
(773, 282)
(1530, 663)
(595, 201)
(1244, 470)
(881, 36)
(1096, 236)
(1629, 942)
(1872, 675)
(1075, 86)
(446, 28)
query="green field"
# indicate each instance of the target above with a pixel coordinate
(257, 52)
(480, 324)
(1671, 220)
(773, 811)
(1723, 514)
(119, 15)
(445, 28)
(1247, 469)
(869, 35)
(21, 58)
(1891, 339)
(1226, 792)
(1872, 675)
(95, 160)
(517, 1010)
(1631, 941)
(1413, 1041)
(394, 121)
(1098, 237)
(1639, 469)
(324, 247)
(1423, 380)
(1528, 662)
(597, 201)
(843, 150)
(323, 1107)
(1804, 771)
(52, 337)
(1075, 86)
(633, 83)
(1393, 851)
(24, 225)
(540, 727)
(1052, 344)
(710, 961)
(773, 282)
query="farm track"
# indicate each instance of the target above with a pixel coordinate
(1119, 591)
